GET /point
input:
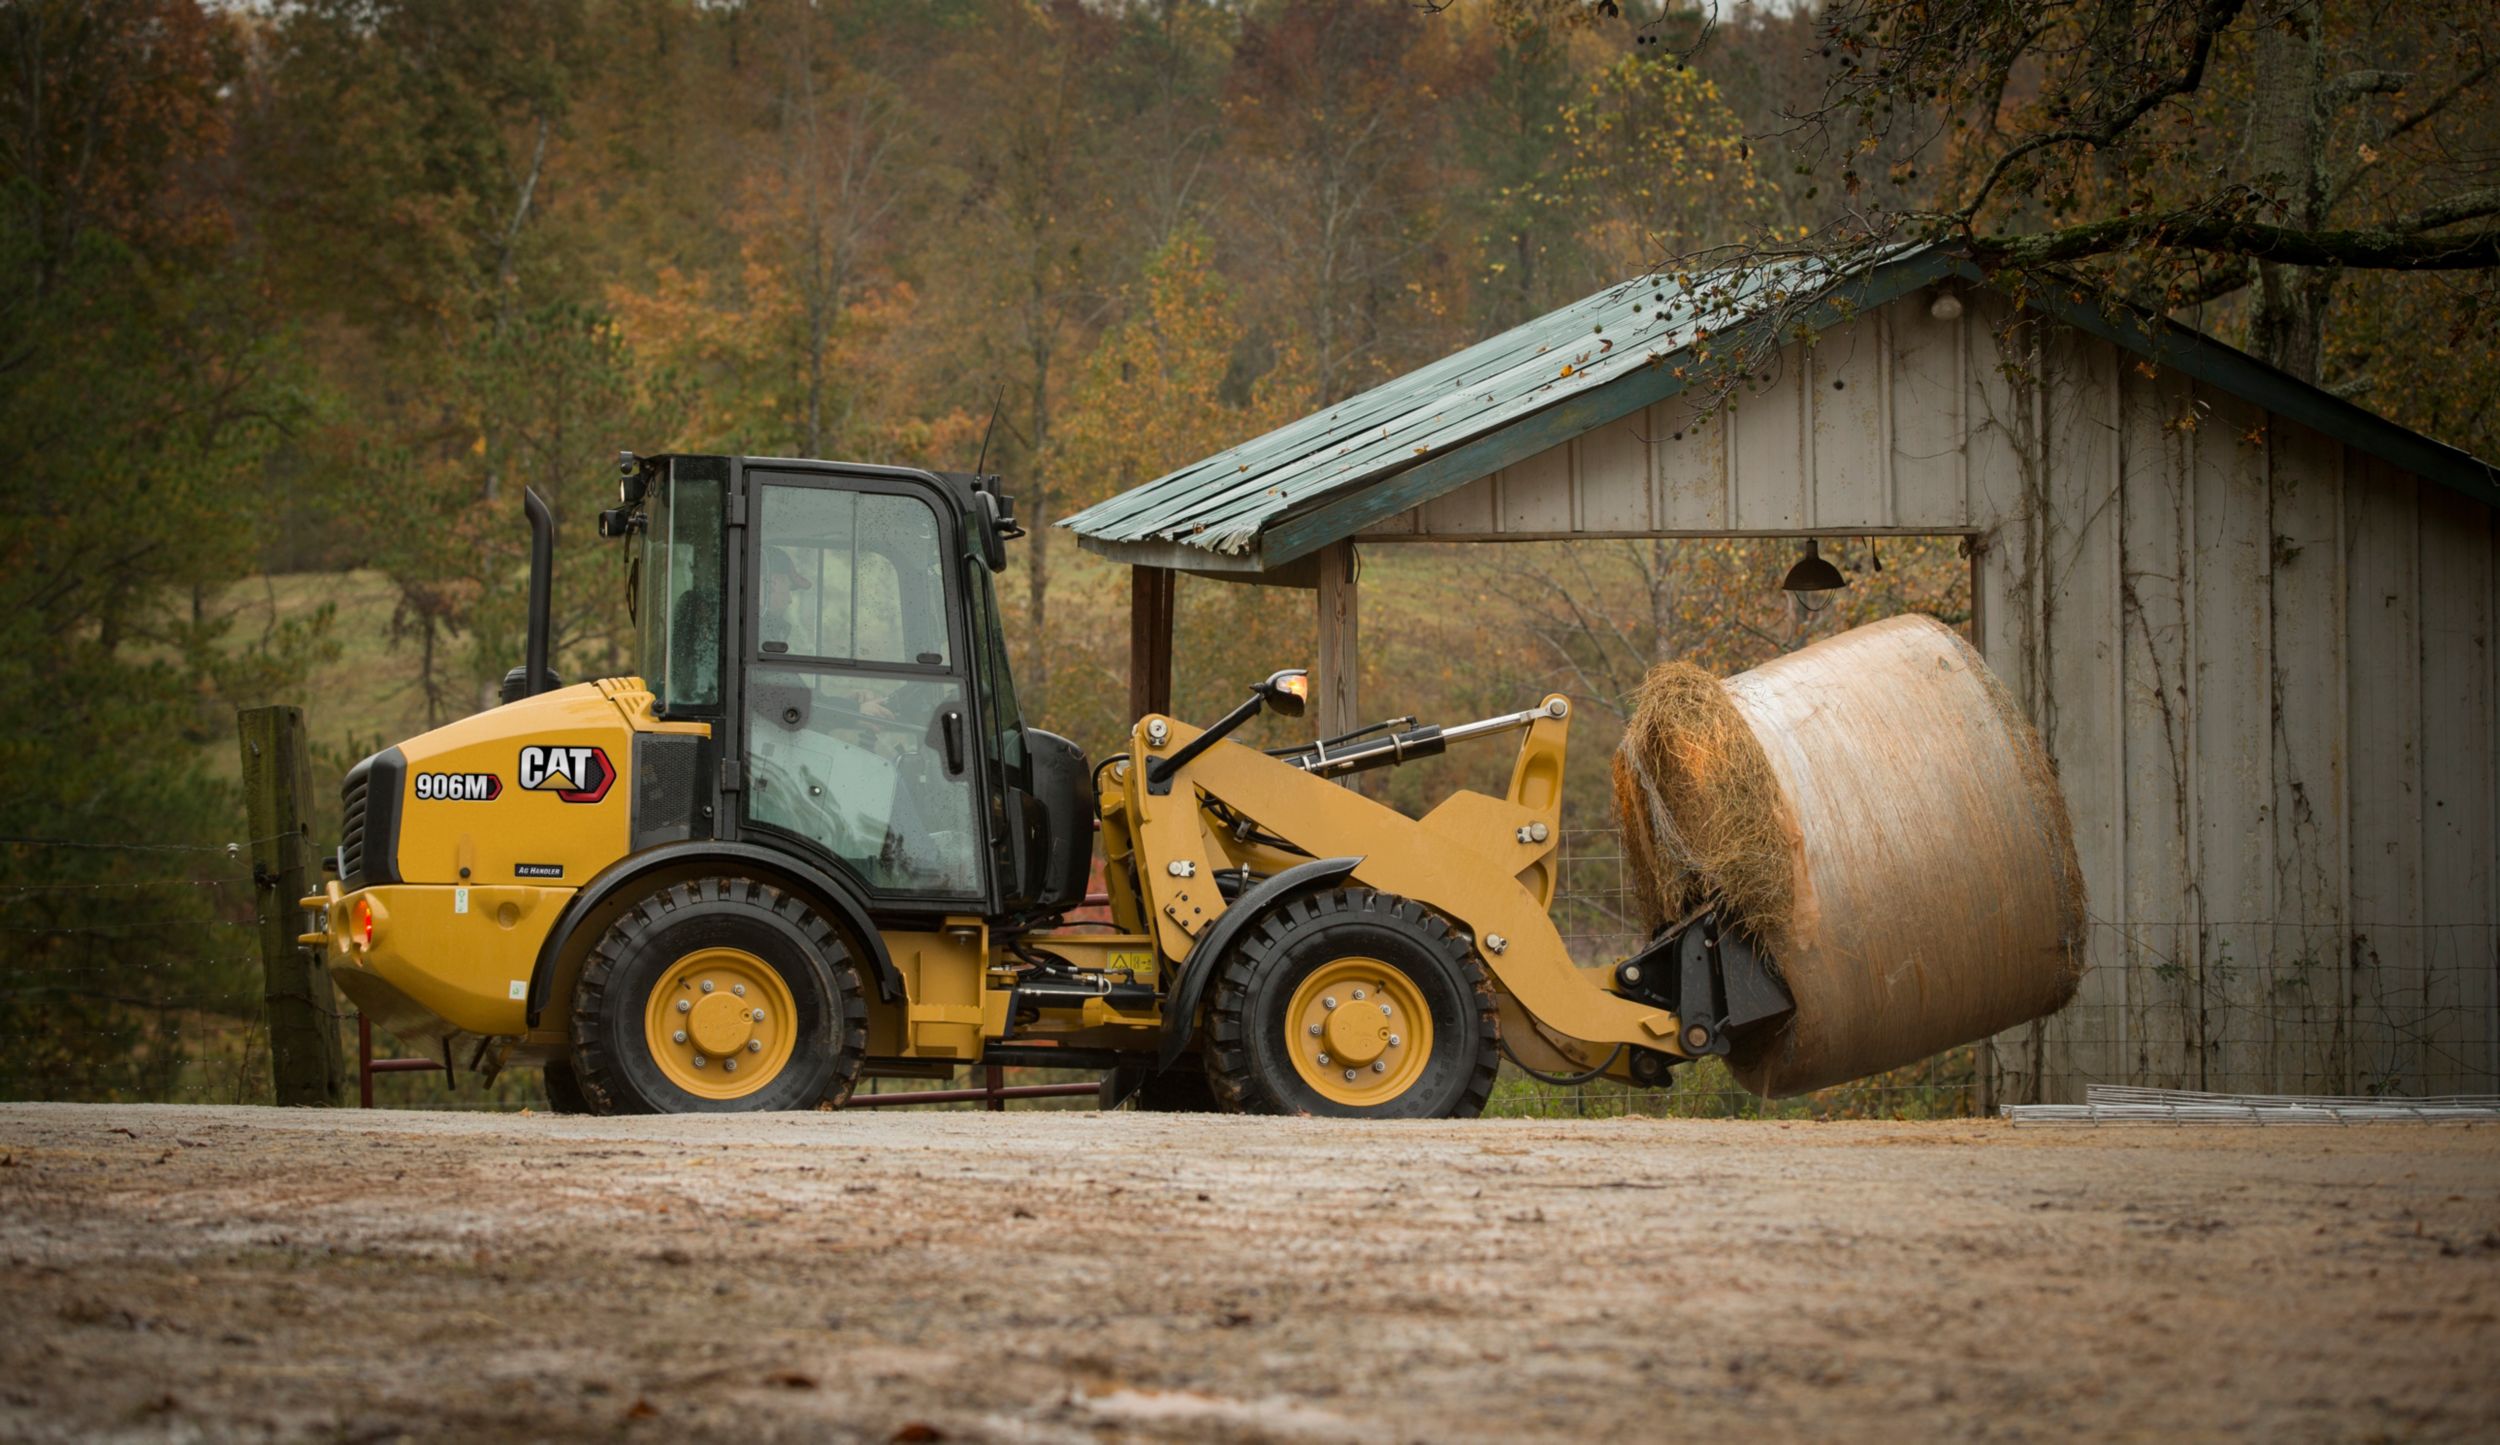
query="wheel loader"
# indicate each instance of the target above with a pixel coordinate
(814, 840)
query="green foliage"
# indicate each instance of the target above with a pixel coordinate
(143, 386)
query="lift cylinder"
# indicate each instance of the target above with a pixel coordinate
(1877, 812)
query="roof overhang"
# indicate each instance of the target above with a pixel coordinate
(1293, 535)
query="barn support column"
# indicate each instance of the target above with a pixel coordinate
(1340, 642)
(1149, 641)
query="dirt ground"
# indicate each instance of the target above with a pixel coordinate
(186, 1273)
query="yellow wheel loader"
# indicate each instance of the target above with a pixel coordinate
(814, 841)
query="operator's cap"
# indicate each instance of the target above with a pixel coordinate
(777, 563)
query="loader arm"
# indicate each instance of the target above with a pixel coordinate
(1486, 863)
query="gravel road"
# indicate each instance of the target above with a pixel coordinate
(188, 1273)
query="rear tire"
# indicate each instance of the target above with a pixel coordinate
(1182, 1089)
(564, 1091)
(1379, 987)
(666, 1013)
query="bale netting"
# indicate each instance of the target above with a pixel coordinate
(1876, 812)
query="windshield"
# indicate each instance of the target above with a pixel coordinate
(681, 587)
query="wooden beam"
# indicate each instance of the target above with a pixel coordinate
(1340, 642)
(305, 1061)
(1149, 640)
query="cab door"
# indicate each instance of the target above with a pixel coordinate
(860, 742)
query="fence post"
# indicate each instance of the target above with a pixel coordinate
(305, 1061)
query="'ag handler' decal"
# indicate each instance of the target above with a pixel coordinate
(577, 775)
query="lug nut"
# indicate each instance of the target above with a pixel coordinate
(700, 1061)
(757, 1015)
(1315, 1031)
(1349, 1076)
(729, 1066)
(1394, 1041)
(1329, 1002)
(707, 985)
(1358, 995)
(1384, 1010)
(1323, 1061)
(755, 1046)
(739, 989)
(1379, 1066)
(678, 1037)
(683, 1005)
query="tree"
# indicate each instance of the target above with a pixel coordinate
(1334, 109)
(2179, 150)
(1030, 251)
(143, 390)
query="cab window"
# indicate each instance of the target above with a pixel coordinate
(853, 577)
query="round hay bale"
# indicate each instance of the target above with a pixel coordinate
(1875, 810)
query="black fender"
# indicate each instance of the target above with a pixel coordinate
(1189, 984)
(828, 892)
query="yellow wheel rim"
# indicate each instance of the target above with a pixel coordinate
(1358, 1032)
(721, 1023)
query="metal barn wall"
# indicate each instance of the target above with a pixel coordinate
(2262, 660)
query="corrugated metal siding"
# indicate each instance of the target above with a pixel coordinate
(2262, 658)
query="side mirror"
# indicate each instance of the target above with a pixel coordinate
(1288, 691)
(632, 481)
(993, 529)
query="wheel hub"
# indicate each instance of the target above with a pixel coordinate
(1358, 1034)
(1358, 1031)
(721, 1023)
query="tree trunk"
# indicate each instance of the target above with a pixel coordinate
(2286, 134)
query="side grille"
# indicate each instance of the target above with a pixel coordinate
(369, 820)
(352, 824)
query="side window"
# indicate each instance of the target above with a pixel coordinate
(989, 656)
(852, 577)
(689, 537)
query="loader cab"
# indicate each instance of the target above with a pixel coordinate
(838, 626)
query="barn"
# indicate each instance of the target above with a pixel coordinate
(2252, 620)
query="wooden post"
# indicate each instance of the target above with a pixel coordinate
(1149, 641)
(305, 1061)
(1340, 642)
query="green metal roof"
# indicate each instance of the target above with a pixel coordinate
(1278, 497)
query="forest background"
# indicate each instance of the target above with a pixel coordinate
(295, 297)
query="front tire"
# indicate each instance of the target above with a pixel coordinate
(722, 995)
(1353, 1004)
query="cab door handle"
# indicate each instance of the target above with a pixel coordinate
(951, 730)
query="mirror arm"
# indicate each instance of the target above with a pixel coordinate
(1159, 771)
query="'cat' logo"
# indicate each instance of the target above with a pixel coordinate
(577, 775)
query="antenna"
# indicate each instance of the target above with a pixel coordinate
(996, 398)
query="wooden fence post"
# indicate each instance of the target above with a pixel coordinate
(305, 1061)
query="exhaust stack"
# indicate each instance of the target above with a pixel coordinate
(532, 677)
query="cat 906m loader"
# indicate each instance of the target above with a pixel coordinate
(814, 840)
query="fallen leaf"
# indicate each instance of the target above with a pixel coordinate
(641, 1410)
(791, 1380)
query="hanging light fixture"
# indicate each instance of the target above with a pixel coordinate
(1812, 573)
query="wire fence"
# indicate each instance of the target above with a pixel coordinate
(129, 970)
(2409, 1009)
